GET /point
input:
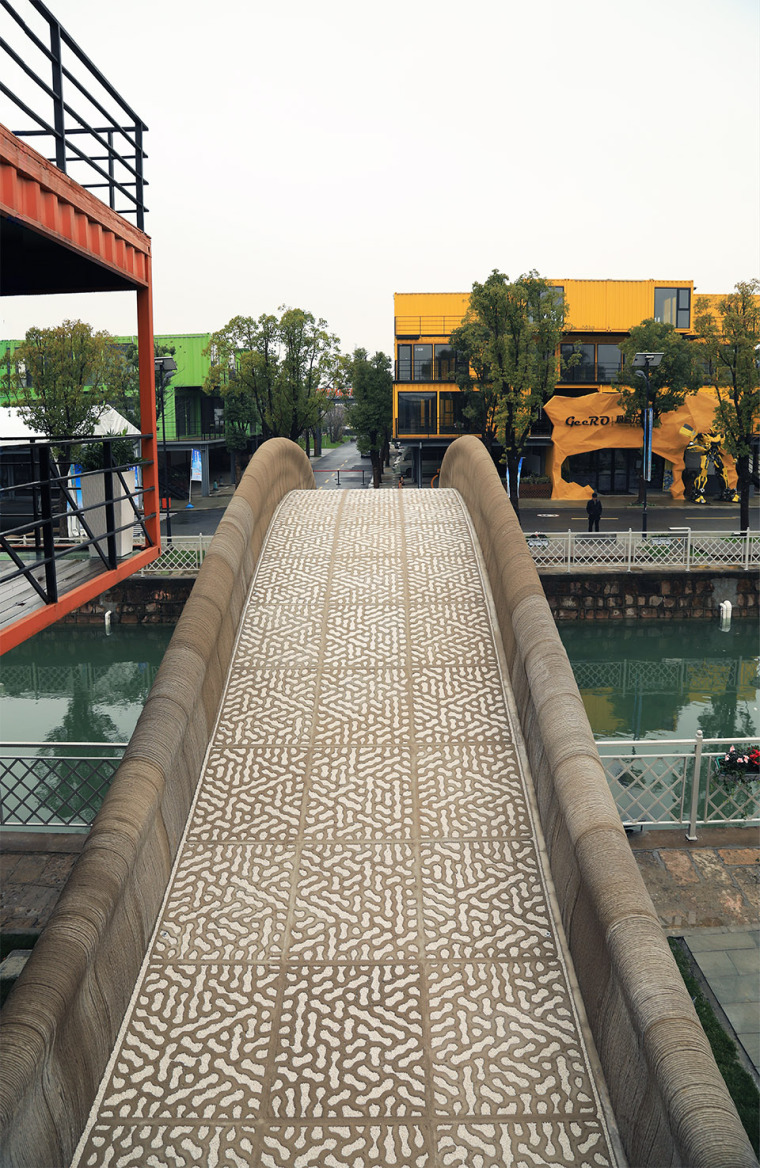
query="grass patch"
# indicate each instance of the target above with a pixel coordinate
(740, 1083)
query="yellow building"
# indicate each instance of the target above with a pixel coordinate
(581, 445)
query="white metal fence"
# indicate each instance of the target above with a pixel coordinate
(182, 556)
(663, 783)
(618, 550)
(671, 782)
(630, 550)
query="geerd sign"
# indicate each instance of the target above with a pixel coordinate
(594, 420)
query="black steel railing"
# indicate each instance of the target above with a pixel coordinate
(103, 138)
(45, 519)
(589, 373)
(426, 326)
(435, 369)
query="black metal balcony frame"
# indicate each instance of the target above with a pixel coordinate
(48, 551)
(589, 373)
(127, 152)
(430, 372)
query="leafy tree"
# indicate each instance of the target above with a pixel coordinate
(63, 377)
(236, 426)
(334, 420)
(371, 412)
(125, 394)
(677, 375)
(509, 338)
(280, 366)
(730, 346)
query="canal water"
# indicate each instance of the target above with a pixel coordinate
(73, 683)
(668, 680)
(70, 684)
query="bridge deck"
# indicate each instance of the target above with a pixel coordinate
(357, 961)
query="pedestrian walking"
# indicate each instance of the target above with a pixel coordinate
(594, 512)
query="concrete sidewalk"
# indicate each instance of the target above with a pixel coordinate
(708, 892)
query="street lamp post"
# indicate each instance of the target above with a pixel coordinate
(163, 366)
(643, 363)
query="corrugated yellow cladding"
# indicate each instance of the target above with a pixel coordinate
(429, 314)
(593, 306)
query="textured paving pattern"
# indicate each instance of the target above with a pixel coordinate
(356, 963)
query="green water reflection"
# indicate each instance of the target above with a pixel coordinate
(667, 680)
(75, 684)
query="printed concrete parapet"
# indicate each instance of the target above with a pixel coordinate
(670, 1101)
(61, 1020)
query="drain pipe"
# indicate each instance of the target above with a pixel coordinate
(725, 615)
(108, 623)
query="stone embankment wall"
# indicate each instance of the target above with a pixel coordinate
(650, 596)
(671, 1104)
(61, 1020)
(590, 595)
(140, 600)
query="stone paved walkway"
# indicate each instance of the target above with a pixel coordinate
(357, 960)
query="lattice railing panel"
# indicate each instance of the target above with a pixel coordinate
(648, 790)
(54, 790)
(183, 556)
(599, 674)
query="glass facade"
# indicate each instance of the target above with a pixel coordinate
(673, 306)
(608, 362)
(423, 363)
(583, 368)
(445, 363)
(417, 413)
(404, 363)
(598, 364)
(450, 416)
(428, 362)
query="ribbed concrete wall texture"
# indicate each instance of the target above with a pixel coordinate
(670, 1101)
(61, 1021)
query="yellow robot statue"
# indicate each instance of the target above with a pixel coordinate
(708, 446)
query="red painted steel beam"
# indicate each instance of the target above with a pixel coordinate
(41, 618)
(44, 201)
(38, 195)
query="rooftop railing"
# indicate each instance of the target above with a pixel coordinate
(86, 126)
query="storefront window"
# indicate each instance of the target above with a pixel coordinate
(417, 413)
(611, 471)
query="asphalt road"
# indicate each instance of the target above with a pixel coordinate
(620, 511)
(343, 462)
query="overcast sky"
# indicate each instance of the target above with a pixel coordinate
(325, 156)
